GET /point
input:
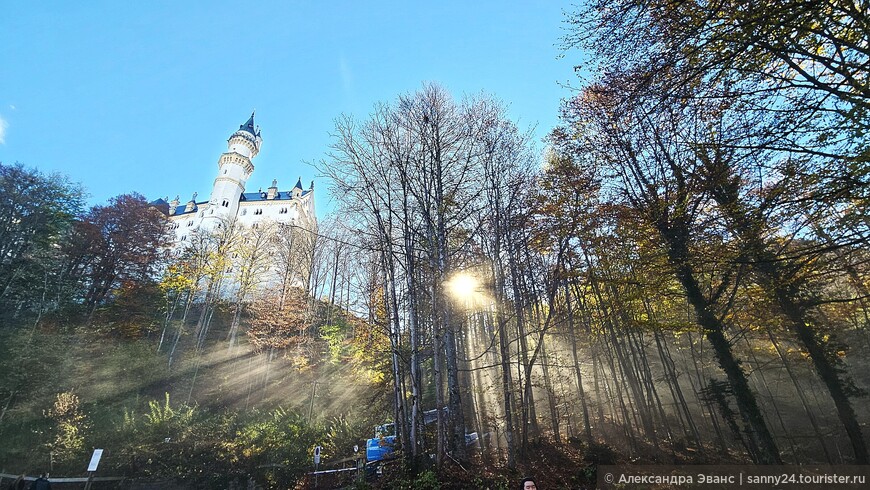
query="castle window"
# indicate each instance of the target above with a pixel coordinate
(255, 226)
(190, 223)
(201, 214)
(184, 238)
(211, 211)
(244, 212)
(225, 171)
(226, 203)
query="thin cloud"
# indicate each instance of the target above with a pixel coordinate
(3, 126)
(346, 77)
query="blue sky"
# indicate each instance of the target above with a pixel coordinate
(141, 96)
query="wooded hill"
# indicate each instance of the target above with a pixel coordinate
(214, 416)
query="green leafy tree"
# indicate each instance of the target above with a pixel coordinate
(36, 213)
(277, 446)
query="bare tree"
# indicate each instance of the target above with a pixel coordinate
(250, 266)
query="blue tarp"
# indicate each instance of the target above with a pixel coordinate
(380, 448)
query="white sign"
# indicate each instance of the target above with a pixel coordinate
(316, 454)
(95, 460)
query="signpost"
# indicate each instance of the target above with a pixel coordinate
(316, 462)
(92, 466)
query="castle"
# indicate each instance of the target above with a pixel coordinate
(229, 201)
(263, 215)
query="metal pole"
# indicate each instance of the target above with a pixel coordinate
(90, 480)
(311, 406)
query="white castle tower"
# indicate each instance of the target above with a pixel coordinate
(234, 169)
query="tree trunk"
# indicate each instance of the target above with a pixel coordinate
(507, 383)
(714, 331)
(572, 339)
(801, 396)
(551, 395)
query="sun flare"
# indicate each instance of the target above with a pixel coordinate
(463, 286)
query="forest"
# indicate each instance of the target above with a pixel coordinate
(677, 274)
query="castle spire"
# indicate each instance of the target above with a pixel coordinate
(249, 126)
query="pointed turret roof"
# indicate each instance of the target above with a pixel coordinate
(249, 126)
(299, 183)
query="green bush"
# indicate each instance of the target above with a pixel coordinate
(427, 480)
(70, 425)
